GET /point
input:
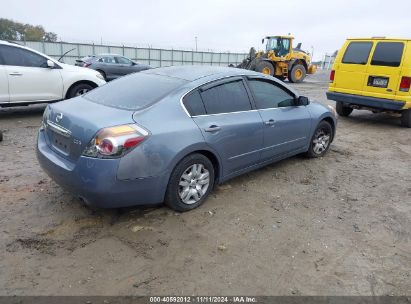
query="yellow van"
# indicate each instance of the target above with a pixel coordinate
(373, 74)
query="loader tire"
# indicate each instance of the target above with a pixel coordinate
(298, 73)
(265, 67)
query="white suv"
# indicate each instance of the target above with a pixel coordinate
(27, 76)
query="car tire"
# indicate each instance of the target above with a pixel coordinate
(406, 118)
(79, 89)
(265, 67)
(298, 73)
(321, 140)
(343, 110)
(187, 181)
(102, 74)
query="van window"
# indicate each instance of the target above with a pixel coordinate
(357, 53)
(226, 98)
(388, 54)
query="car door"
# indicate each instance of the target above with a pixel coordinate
(109, 66)
(351, 72)
(286, 125)
(30, 79)
(125, 65)
(383, 72)
(229, 123)
(4, 83)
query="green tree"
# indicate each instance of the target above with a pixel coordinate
(12, 30)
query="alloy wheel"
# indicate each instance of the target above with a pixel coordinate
(193, 184)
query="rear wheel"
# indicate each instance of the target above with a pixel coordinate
(343, 110)
(79, 89)
(406, 118)
(265, 67)
(298, 73)
(321, 140)
(190, 183)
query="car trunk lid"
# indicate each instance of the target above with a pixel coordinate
(71, 124)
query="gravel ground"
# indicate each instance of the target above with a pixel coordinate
(339, 225)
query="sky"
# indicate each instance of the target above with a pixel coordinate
(219, 25)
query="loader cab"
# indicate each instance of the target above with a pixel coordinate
(281, 45)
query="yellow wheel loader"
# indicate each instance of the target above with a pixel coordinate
(280, 59)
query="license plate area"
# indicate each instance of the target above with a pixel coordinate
(378, 81)
(60, 143)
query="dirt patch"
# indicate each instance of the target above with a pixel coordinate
(339, 225)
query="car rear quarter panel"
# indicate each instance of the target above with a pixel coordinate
(173, 135)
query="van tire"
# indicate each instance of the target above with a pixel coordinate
(406, 118)
(342, 110)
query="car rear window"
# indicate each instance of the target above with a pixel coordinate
(388, 54)
(357, 53)
(135, 91)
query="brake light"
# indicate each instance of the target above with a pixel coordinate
(332, 75)
(405, 84)
(115, 141)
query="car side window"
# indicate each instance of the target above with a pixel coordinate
(108, 59)
(388, 54)
(269, 95)
(15, 56)
(357, 53)
(122, 60)
(226, 98)
(194, 104)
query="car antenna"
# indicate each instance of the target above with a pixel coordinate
(65, 54)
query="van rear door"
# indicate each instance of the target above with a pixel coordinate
(383, 71)
(350, 70)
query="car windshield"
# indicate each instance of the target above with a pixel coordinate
(134, 92)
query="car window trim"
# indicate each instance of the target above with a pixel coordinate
(240, 77)
(278, 85)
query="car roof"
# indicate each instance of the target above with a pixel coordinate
(194, 72)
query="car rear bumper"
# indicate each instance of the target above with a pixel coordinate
(365, 101)
(94, 180)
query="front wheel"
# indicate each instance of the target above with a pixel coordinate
(190, 183)
(298, 73)
(265, 67)
(321, 140)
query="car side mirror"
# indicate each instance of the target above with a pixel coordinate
(303, 101)
(50, 64)
(262, 41)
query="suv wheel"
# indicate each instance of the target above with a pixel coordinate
(79, 89)
(321, 140)
(343, 110)
(190, 183)
(406, 118)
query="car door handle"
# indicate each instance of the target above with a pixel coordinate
(15, 74)
(212, 128)
(269, 122)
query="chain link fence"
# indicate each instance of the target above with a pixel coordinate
(154, 57)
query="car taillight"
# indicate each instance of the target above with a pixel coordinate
(115, 141)
(86, 64)
(332, 75)
(405, 84)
